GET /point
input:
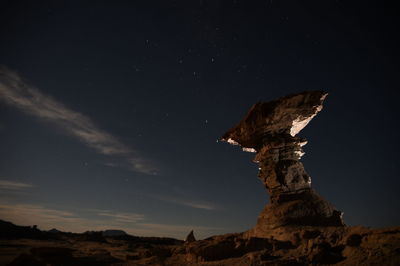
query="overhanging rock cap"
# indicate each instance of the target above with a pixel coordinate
(286, 115)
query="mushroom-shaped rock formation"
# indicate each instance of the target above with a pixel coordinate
(269, 129)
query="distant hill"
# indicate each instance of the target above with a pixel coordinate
(9, 230)
(54, 231)
(108, 233)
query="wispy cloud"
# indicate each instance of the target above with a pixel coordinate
(186, 202)
(11, 185)
(29, 214)
(16, 92)
(88, 220)
(123, 217)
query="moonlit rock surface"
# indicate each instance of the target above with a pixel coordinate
(270, 130)
(286, 115)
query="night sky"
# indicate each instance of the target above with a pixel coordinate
(110, 111)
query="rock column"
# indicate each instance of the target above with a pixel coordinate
(269, 129)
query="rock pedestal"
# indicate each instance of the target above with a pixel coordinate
(269, 129)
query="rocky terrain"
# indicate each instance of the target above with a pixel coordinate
(308, 245)
(296, 227)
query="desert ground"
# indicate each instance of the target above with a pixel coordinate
(286, 246)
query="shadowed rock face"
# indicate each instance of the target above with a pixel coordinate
(190, 237)
(269, 129)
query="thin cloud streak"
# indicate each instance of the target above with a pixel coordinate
(123, 217)
(185, 202)
(15, 92)
(29, 214)
(11, 185)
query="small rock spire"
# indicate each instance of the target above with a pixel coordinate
(190, 237)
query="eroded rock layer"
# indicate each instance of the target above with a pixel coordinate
(269, 129)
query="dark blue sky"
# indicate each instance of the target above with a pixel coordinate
(123, 102)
